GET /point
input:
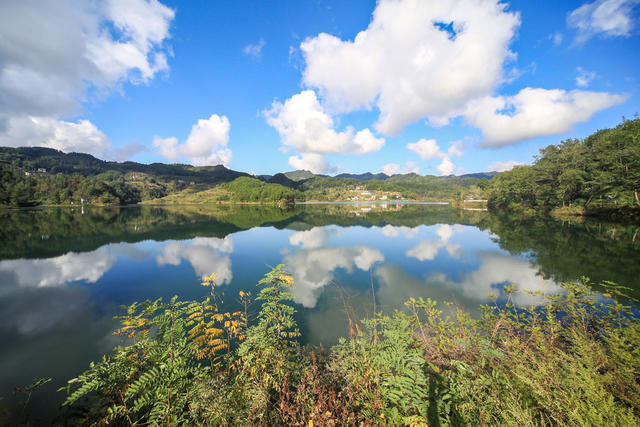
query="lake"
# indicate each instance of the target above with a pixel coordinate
(64, 273)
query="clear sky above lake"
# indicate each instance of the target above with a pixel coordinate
(435, 87)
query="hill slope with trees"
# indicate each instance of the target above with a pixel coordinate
(583, 176)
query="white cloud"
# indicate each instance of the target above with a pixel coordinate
(426, 149)
(441, 60)
(56, 54)
(446, 167)
(456, 148)
(390, 230)
(394, 168)
(497, 270)
(58, 271)
(410, 167)
(584, 77)
(205, 138)
(168, 147)
(390, 169)
(610, 18)
(204, 146)
(534, 113)
(304, 126)
(310, 239)
(393, 231)
(429, 149)
(503, 166)
(205, 254)
(445, 232)
(313, 269)
(316, 163)
(82, 136)
(254, 50)
(408, 66)
(427, 250)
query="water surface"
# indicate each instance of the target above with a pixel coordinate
(64, 273)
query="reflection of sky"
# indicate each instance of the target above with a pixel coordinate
(46, 302)
(205, 254)
(452, 260)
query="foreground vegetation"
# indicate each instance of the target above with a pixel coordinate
(571, 360)
(599, 175)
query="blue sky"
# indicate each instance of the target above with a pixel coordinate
(332, 86)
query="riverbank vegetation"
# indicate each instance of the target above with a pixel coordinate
(572, 359)
(598, 175)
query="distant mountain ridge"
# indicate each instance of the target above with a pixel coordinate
(55, 161)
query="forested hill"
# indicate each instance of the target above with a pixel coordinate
(32, 159)
(601, 171)
(32, 176)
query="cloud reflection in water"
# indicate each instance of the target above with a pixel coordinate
(206, 254)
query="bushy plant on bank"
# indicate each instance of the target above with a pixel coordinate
(572, 359)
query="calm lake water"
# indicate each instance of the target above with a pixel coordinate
(64, 273)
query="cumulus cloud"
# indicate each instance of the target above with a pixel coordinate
(82, 136)
(426, 149)
(57, 54)
(584, 77)
(446, 167)
(58, 271)
(394, 168)
(534, 113)
(495, 271)
(609, 18)
(390, 169)
(456, 148)
(304, 126)
(316, 163)
(440, 60)
(410, 63)
(310, 239)
(204, 146)
(503, 166)
(254, 50)
(427, 250)
(313, 269)
(393, 231)
(205, 254)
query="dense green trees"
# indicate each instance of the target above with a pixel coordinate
(604, 166)
(245, 189)
(19, 189)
